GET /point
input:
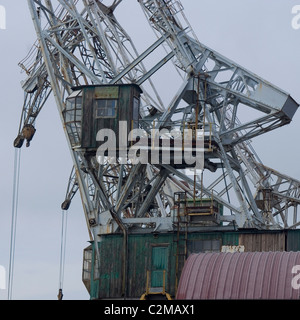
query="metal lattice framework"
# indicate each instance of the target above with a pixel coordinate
(81, 43)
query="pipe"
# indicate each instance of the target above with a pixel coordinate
(125, 252)
(125, 263)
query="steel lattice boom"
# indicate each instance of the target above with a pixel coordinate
(82, 45)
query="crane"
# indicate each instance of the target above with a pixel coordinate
(81, 48)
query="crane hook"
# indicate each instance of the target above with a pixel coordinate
(60, 294)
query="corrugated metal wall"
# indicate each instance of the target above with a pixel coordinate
(293, 240)
(262, 241)
(109, 280)
(248, 275)
(140, 248)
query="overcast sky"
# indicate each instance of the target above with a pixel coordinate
(256, 34)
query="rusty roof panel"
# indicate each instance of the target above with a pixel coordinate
(248, 275)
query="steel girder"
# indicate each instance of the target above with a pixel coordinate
(83, 43)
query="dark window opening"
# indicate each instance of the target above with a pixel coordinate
(106, 108)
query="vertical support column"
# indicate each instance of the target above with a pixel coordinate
(244, 217)
(295, 214)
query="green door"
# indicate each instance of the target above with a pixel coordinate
(158, 265)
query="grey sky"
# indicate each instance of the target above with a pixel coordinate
(257, 34)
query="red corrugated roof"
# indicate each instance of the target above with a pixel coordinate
(248, 275)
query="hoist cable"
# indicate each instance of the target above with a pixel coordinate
(62, 252)
(15, 198)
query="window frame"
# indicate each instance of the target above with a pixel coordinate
(97, 107)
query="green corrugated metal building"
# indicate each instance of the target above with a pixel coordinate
(146, 252)
(114, 279)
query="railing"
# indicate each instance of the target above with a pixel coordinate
(155, 290)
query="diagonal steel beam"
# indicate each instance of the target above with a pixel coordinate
(153, 192)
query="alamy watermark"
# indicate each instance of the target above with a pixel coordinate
(162, 146)
(2, 18)
(296, 278)
(2, 278)
(296, 18)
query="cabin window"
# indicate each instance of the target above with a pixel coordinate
(136, 112)
(106, 108)
(197, 246)
(87, 264)
(73, 116)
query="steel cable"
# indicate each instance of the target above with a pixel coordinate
(16, 181)
(62, 253)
